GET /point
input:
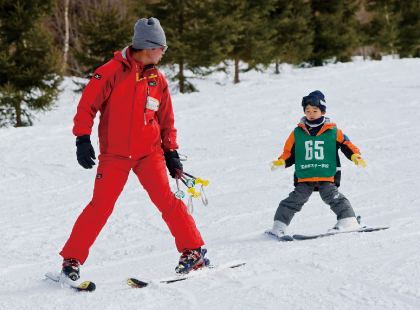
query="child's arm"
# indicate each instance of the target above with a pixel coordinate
(286, 159)
(289, 151)
(350, 150)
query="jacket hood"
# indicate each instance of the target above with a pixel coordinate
(122, 56)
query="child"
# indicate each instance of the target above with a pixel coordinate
(313, 148)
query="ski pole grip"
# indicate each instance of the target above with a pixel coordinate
(193, 192)
(199, 180)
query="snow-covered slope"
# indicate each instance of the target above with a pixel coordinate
(230, 133)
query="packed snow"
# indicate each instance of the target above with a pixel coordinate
(230, 133)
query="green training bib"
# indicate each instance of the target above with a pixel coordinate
(315, 156)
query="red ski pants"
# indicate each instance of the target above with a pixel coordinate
(110, 180)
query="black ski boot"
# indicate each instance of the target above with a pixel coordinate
(191, 260)
(71, 269)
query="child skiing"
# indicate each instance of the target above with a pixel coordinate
(136, 132)
(313, 148)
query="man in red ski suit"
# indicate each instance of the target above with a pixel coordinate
(136, 132)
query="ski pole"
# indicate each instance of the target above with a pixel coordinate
(189, 175)
(178, 173)
(188, 182)
(179, 176)
(197, 180)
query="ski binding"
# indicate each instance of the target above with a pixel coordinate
(86, 286)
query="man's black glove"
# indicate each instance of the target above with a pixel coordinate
(172, 162)
(85, 152)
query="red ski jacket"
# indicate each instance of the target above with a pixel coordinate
(136, 115)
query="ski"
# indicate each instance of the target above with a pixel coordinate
(307, 237)
(135, 283)
(86, 286)
(284, 238)
(132, 282)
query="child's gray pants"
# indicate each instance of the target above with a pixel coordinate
(329, 194)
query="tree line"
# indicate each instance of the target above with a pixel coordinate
(42, 40)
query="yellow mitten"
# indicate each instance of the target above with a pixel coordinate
(274, 165)
(359, 161)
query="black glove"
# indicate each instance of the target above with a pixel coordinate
(85, 152)
(172, 162)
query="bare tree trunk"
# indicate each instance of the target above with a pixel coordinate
(66, 35)
(277, 66)
(18, 116)
(181, 60)
(181, 76)
(236, 70)
(364, 54)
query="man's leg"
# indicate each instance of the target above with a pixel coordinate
(151, 171)
(292, 204)
(110, 180)
(337, 201)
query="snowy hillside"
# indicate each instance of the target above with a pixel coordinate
(230, 134)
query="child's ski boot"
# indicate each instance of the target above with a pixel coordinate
(191, 260)
(346, 224)
(71, 269)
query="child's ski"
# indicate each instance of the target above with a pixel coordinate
(284, 238)
(369, 229)
(86, 286)
(132, 282)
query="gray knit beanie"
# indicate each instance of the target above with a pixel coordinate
(148, 34)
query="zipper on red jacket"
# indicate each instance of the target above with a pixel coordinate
(145, 106)
(131, 120)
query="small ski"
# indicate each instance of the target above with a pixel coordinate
(135, 283)
(307, 237)
(86, 286)
(284, 238)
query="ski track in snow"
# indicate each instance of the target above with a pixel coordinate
(230, 134)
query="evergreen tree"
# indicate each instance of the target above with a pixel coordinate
(188, 26)
(29, 65)
(293, 39)
(409, 28)
(247, 37)
(102, 35)
(384, 26)
(335, 26)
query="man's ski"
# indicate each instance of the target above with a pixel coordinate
(86, 286)
(369, 229)
(134, 283)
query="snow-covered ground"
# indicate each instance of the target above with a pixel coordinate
(230, 134)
